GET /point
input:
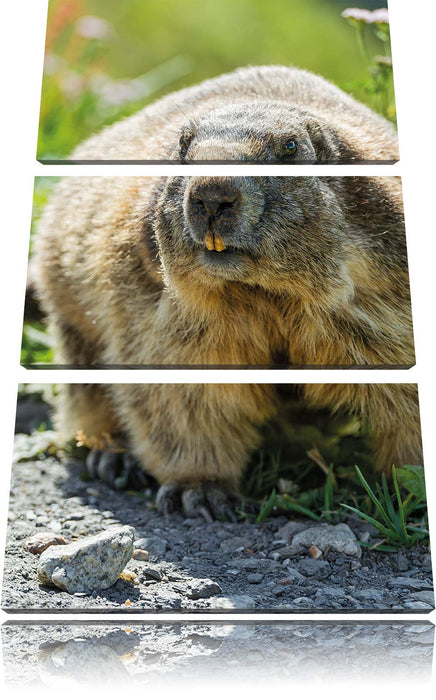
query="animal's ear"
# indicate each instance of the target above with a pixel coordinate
(188, 133)
(328, 145)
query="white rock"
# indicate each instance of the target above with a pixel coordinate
(90, 564)
(338, 538)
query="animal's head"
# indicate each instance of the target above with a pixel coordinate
(261, 132)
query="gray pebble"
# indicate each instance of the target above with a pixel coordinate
(337, 538)
(291, 528)
(254, 578)
(424, 597)
(279, 590)
(155, 546)
(314, 567)
(284, 552)
(295, 575)
(195, 589)
(402, 562)
(303, 602)
(167, 600)
(249, 564)
(426, 563)
(151, 572)
(232, 543)
(417, 605)
(407, 582)
(332, 591)
(369, 594)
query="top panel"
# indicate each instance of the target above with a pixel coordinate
(286, 82)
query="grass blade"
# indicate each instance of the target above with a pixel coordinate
(400, 507)
(380, 527)
(389, 505)
(373, 497)
(287, 504)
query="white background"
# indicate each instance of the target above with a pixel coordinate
(413, 30)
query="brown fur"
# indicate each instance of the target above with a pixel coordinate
(320, 280)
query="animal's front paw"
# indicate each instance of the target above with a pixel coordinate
(207, 500)
(119, 470)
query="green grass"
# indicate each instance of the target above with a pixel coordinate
(400, 519)
(37, 346)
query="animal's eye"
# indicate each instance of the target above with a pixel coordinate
(290, 148)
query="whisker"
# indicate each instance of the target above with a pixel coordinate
(191, 121)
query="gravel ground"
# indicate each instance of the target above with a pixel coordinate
(194, 566)
(112, 653)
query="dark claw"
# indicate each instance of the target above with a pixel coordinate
(219, 503)
(92, 461)
(119, 470)
(108, 468)
(193, 500)
(208, 501)
(136, 477)
(168, 498)
(205, 513)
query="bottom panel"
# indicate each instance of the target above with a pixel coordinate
(218, 497)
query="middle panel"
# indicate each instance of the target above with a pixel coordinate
(219, 272)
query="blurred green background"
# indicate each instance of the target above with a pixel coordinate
(105, 58)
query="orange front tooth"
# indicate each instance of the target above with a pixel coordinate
(219, 244)
(209, 241)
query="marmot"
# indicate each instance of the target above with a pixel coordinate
(259, 114)
(227, 271)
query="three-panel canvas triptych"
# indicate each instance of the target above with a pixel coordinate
(221, 247)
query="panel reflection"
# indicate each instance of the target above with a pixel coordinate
(111, 653)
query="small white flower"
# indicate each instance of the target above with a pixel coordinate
(94, 28)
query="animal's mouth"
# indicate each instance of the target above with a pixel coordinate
(214, 242)
(214, 248)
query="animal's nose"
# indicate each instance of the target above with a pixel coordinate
(215, 205)
(214, 200)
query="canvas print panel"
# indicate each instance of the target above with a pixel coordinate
(219, 272)
(218, 498)
(300, 81)
(251, 652)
